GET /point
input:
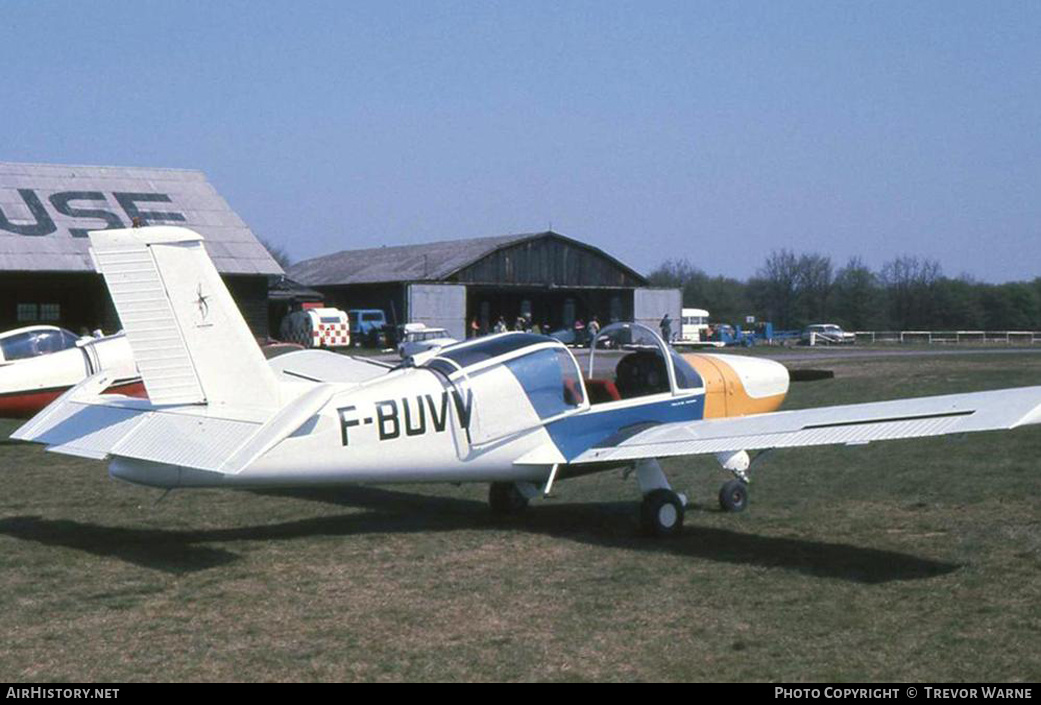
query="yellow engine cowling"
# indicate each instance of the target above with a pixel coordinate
(736, 385)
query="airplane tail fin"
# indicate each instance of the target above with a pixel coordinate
(189, 340)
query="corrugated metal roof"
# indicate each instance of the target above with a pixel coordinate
(46, 209)
(426, 262)
(434, 261)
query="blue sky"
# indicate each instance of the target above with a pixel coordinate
(712, 131)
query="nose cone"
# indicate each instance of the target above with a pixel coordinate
(736, 385)
(761, 378)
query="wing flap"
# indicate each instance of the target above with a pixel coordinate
(849, 424)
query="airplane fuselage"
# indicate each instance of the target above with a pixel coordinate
(416, 425)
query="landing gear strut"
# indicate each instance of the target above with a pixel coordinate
(506, 499)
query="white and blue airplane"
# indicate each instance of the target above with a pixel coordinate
(515, 410)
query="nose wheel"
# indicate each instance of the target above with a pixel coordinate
(733, 496)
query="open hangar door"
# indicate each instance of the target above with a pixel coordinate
(551, 308)
(438, 306)
(649, 305)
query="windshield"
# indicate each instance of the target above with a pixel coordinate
(686, 377)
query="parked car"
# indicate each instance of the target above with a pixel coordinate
(827, 334)
(368, 327)
(417, 338)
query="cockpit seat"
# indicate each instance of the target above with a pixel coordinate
(601, 391)
(641, 373)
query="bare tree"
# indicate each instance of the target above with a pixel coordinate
(815, 280)
(277, 252)
(910, 285)
(777, 287)
(858, 296)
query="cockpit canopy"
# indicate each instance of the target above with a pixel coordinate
(629, 360)
(542, 366)
(32, 342)
(486, 370)
(483, 349)
(626, 361)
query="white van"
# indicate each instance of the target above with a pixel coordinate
(694, 326)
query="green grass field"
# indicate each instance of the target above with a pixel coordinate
(910, 560)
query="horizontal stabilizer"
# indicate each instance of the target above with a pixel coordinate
(187, 440)
(135, 429)
(82, 422)
(86, 430)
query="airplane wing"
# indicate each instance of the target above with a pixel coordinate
(853, 424)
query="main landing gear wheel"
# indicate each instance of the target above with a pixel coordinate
(733, 496)
(506, 499)
(661, 513)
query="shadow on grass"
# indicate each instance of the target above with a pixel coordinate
(149, 548)
(610, 525)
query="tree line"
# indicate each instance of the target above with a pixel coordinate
(907, 293)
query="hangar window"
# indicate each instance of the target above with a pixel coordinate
(28, 313)
(50, 312)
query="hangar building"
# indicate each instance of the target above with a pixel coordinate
(447, 284)
(46, 210)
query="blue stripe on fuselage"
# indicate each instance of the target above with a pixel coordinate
(576, 434)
